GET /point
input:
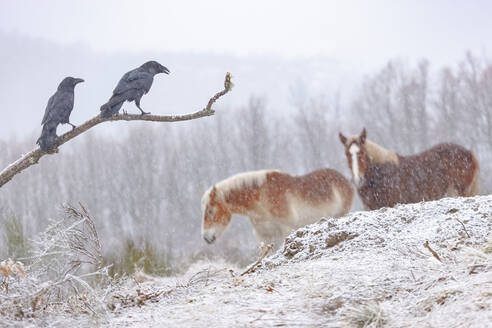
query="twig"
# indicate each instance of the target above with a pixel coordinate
(426, 245)
(253, 266)
(463, 227)
(129, 300)
(413, 276)
(65, 279)
(34, 156)
(473, 267)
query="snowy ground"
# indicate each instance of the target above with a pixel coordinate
(368, 269)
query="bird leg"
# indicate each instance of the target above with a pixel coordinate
(137, 102)
(73, 126)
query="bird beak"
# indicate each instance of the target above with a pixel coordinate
(77, 81)
(165, 70)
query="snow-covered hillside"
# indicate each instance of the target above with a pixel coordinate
(419, 265)
(368, 269)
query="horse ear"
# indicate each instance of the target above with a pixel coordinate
(363, 136)
(343, 139)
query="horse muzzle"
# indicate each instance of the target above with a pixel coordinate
(209, 238)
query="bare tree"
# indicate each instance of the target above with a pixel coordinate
(253, 128)
(396, 102)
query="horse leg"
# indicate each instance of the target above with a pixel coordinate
(269, 232)
(473, 188)
(262, 238)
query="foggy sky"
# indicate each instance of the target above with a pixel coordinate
(267, 45)
(361, 30)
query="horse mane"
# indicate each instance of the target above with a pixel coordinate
(380, 155)
(241, 180)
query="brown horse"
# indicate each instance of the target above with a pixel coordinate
(276, 202)
(384, 178)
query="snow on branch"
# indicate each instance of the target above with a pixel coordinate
(33, 157)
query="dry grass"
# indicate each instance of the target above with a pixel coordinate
(136, 293)
(368, 315)
(143, 256)
(16, 242)
(60, 274)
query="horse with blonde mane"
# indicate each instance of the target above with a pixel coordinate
(276, 202)
(384, 178)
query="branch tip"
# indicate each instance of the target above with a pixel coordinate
(228, 85)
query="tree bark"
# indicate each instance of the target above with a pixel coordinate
(33, 156)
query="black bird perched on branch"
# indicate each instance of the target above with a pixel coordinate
(58, 111)
(132, 86)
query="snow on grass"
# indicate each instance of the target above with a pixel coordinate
(368, 269)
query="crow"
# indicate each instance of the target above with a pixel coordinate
(58, 111)
(132, 86)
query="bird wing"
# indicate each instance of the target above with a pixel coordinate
(58, 105)
(134, 80)
(48, 109)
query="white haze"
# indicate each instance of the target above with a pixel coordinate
(32, 68)
(321, 47)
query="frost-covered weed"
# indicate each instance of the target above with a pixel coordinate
(63, 273)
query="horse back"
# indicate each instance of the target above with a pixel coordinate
(320, 185)
(444, 170)
(279, 188)
(315, 188)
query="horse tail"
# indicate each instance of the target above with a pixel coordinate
(473, 187)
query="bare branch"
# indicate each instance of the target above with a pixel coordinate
(33, 156)
(434, 253)
(266, 249)
(463, 225)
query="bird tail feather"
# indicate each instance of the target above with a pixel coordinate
(48, 136)
(112, 107)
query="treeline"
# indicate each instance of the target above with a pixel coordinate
(144, 186)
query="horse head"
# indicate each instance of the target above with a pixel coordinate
(357, 155)
(216, 216)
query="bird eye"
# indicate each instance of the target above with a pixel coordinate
(209, 212)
